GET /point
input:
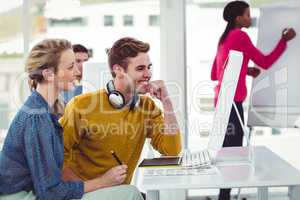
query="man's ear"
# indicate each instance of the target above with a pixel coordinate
(48, 74)
(118, 70)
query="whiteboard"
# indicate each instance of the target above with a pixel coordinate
(275, 94)
(225, 101)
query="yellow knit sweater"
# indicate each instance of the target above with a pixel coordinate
(92, 128)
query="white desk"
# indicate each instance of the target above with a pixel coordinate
(269, 171)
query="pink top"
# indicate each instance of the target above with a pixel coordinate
(239, 40)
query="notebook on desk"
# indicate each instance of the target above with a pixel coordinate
(187, 160)
(161, 162)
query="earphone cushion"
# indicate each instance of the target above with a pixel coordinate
(116, 99)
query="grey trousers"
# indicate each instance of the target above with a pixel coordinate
(122, 192)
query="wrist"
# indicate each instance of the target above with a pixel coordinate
(90, 186)
(103, 182)
(284, 39)
(166, 101)
(167, 106)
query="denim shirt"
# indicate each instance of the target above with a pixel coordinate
(33, 153)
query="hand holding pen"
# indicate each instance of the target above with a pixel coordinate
(116, 157)
(115, 175)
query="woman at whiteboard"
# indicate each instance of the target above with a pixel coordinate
(237, 16)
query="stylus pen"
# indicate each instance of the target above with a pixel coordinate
(116, 157)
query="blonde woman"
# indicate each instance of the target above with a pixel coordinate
(32, 157)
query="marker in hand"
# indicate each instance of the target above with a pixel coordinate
(116, 157)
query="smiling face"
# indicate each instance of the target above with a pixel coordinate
(64, 76)
(138, 73)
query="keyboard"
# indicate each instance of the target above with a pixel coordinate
(199, 159)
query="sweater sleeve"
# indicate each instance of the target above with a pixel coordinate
(264, 61)
(213, 73)
(166, 144)
(44, 168)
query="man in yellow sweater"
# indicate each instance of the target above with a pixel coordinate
(119, 118)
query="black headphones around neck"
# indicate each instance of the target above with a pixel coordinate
(116, 98)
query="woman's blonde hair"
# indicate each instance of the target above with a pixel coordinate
(45, 55)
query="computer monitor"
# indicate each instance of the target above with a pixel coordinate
(225, 101)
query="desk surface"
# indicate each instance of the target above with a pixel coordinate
(268, 169)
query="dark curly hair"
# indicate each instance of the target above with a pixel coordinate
(79, 48)
(231, 11)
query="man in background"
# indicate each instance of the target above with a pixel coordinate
(81, 56)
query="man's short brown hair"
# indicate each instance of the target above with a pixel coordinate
(79, 48)
(123, 49)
